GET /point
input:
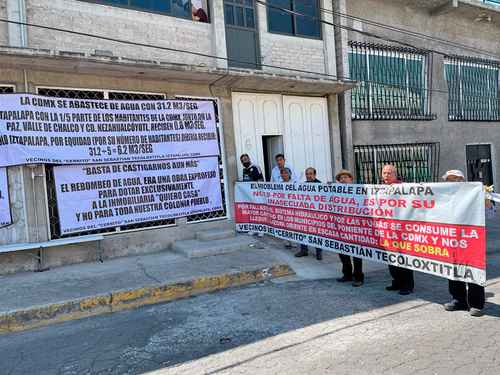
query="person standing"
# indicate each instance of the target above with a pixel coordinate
(402, 278)
(466, 296)
(251, 172)
(351, 271)
(310, 178)
(280, 165)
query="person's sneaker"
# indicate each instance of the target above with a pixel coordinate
(405, 292)
(391, 288)
(454, 305)
(301, 253)
(357, 283)
(319, 255)
(344, 279)
(475, 312)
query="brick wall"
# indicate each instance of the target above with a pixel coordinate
(118, 23)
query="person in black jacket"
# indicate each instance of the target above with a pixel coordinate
(251, 172)
(310, 177)
(351, 271)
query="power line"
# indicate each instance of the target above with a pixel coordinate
(415, 34)
(348, 28)
(170, 49)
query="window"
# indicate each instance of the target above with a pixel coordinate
(196, 10)
(415, 162)
(282, 22)
(474, 89)
(392, 83)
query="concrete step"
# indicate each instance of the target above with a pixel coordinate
(198, 249)
(215, 234)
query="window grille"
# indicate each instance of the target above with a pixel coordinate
(415, 162)
(474, 89)
(220, 214)
(6, 89)
(392, 82)
(49, 169)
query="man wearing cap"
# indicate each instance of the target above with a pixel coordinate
(466, 296)
(251, 172)
(402, 278)
(310, 178)
(356, 277)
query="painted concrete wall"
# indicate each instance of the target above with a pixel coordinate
(31, 227)
(458, 26)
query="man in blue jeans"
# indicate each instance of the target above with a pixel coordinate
(310, 178)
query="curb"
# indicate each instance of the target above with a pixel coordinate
(39, 316)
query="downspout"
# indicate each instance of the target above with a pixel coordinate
(16, 11)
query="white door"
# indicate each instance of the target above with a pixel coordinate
(301, 121)
(307, 136)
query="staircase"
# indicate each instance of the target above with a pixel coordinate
(214, 242)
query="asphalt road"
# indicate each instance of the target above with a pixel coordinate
(287, 327)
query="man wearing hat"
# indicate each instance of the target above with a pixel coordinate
(466, 296)
(349, 274)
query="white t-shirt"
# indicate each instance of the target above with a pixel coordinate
(276, 175)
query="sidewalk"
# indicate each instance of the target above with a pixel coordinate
(30, 300)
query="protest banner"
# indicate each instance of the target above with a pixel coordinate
(5, 215)
(432, 228)
(38, 129)
(100, 196)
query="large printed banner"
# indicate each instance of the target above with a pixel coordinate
(432, 228)
(38, 129)
(92, 197)
(5, 216)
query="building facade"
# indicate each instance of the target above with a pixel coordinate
(271, 75)
(431, 102)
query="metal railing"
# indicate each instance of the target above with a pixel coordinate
(415, 162)
(393, 82)
(474, 89)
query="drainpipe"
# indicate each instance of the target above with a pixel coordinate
(16, 11)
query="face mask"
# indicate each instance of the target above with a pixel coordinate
(247, 164)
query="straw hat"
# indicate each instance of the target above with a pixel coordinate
(343, 172)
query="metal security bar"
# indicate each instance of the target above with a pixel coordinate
(6, 89)
(49, 169)
(415, 162)
(393, 82)
(474, 89)
(220, 214)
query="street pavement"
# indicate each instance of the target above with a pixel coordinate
(307, 324)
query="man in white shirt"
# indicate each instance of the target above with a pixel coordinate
(280, 164)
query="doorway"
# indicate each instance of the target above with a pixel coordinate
(242, 40)
(272, 145)
(479, 163)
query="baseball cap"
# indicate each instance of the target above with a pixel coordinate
(453, 172)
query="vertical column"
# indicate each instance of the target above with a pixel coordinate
(344, 99)
(16, 11)
(219, 32)
(328, 33)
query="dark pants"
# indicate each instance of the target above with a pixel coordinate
(402, 278)
(347, 267)
(474, 297)
(305, 249)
